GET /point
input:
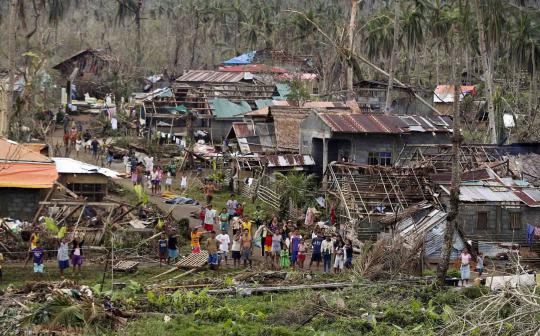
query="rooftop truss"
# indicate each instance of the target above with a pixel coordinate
(369, 193)
(438, 158)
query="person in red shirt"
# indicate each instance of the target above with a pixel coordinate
(202, 215)
(240, 210)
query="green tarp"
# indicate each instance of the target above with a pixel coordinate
(224, 108)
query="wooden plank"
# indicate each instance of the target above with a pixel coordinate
(62, 202)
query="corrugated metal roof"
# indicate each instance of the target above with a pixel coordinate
(288, 160)
(71, 166)
(11, 151)
(445, 93)
(470, 193)
(253, 68)
(210, 76)
(386, 124)
(242, 129)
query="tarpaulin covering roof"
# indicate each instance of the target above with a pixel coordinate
(389, 124)
(253, 68)
(12, 151)
(246, 58)
(71, 166)
(445, 93)
(210, 76)
(224, 108)
(27, 175)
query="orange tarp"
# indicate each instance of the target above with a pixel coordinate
(27, 175)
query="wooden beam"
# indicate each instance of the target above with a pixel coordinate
(47, 197)
(62, 202)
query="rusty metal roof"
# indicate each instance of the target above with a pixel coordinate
(209, 76)
(380, 123)
(242, 129)
(287, 160)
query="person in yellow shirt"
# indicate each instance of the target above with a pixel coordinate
(246, 225)
(196, 235)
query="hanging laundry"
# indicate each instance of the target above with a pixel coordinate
(114, 123)
(531, 230)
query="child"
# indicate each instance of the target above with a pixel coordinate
(295, 241)
(339, 259)
(224, 220)
(162, 249)
(212, 246)
(38, 255)
(236, 225)
(172, 247)
(246, 244)
(183, 182)
(348, 254)
(240, 210)
(224, 241)
(196, 240)
(480, 264)
(284, 261)
(301, 254)
(77, 255)
(235, 248)
(168, 182)
(202, 214)
(63, 256)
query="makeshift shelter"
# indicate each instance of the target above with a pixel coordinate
(25, 177)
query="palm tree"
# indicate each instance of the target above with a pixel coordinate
(393, 58)
(295, 186)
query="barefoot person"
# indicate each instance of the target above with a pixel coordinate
(77, 254)
(212, 246)
(63, 256)
(224, 241)
(246, 244)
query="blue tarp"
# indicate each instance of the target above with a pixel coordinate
(246, 58)
(262, 103)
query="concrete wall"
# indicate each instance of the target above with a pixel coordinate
(19, 203)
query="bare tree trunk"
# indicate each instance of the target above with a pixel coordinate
(12, 51)
(393, 59)
(350, 69)
(138, 48)
(487, 72)
(195, 38)
(532, 91)
(452, 218)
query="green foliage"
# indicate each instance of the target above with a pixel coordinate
(141, 194)
(453, 273)
(298, 91)
(295, 186)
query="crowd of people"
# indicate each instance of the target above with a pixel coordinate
(233, 234)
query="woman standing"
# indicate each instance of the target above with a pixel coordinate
(465, 268)
(276, 248)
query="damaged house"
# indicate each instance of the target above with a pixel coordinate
(25, 178)
(372, 139)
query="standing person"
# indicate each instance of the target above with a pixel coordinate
(224, 241)
(316, 256)
(295, 241)
(77, 254)
(38, 255)
(159, 179)
(78, 145)
(210, 218)
(196, 240)
(209, 190)
(94, 145)
(326, 251)
(162, 248)
(172, 247)
(224, 220)
(277, 239)
(240, 210)
(246, 244)
(168, 182)
(235, 248)
(154, 180)
(63, 256)
(183, 182)
(465, 268)
(339, 253)
(480, 264)
(247, 225)
(236, 224)
(301, 254)
(231, 205)
(202, 213)
(110, 156)
(86, 137)
(348, 254)
(172, 168)
(267, 246)
(212, 246)
(284, 257)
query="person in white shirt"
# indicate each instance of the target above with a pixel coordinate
(327, 247)
(153, 180)
(465, 268)
(210, 218)
(224, 241)
(183, 182)
(235, 248)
